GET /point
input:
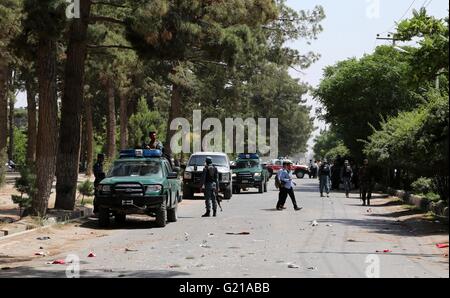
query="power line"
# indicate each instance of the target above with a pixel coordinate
(406, 12)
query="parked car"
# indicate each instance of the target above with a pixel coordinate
(194, 169)
(248, 172)
(139, 182)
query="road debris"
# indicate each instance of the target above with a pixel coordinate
(91, 255)
(384, 251)
(241, 233)
(293, 266)
(311, 268)
(43, 238)
(351, 240)
(314, 223)
(186, 236)
(442, 245)
(328, 225)
(57, 262)
(130, 250)
(41, 253)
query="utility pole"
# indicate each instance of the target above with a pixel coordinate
(390, 36)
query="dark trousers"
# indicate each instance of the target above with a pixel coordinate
(284, 192)
(366, 192)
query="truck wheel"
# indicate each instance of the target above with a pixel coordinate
(300, 175)
(172, 214)
(161, 215)
(103, 217)
(120, 218)
(228, 193)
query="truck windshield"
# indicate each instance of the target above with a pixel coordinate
(247, 164)
(199, 160)
(136, 169)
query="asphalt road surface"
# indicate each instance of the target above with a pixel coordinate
(330, 237)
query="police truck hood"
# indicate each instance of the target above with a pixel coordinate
(221, 169)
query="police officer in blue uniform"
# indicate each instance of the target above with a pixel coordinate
(210, 185)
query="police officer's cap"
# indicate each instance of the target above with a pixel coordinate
(208, 160)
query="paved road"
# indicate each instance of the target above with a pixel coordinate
(338, 246)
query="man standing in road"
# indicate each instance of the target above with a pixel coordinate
(346, 177)
(210, 186)
(286, 187)
(365, 182)
(324, 178)
(99, 175)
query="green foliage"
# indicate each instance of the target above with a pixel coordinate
(142, 122)
(339, 150)
(358, 93)
(20, 147)
(422, 185)
(26, 185)
(432, 55)
(86, 189)
(324, 143)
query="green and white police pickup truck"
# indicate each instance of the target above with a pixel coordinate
(249, 172)
(139, 182)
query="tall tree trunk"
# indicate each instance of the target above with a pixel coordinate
(111, 121)
(71, 112)
(3, 105)
(12, 102)
(89, 136)
(31, 110)
(47, 136)
(175, 111)
(123, 121)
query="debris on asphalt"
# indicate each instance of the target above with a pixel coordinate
(5, 268)
(328, 225)
(57, 262)
(41, 253)
(91, 255)
(43, 238)
(190, 258)
(311, 268)
(384, 251)
(369, 210)
(442, 245)
(314, 223)
(130, 250)
(351, 240)
(210, 234)
(241, 233)
(293, 266)
(186, 236)
(174, 266)
(204, 244)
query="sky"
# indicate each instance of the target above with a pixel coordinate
(350, 30)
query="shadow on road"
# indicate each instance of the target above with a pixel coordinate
(30, 272)
(405, 228)
(132, 223)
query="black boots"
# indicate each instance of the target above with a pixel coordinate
(208, 213)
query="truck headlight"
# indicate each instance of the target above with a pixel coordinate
(153, 188)
(105, 188)
(226, 177)
(257, 174)
(187, 175)
(234, 175)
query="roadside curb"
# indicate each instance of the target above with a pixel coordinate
(82, 213)
(439, 208)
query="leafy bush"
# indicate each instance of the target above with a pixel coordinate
(422, 185)
(434, 197)
(86, 189)
(26, 185)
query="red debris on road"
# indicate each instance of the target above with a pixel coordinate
(442, 245)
